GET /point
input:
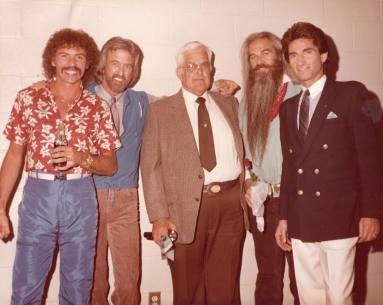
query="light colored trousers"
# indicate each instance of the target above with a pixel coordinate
(324, 271)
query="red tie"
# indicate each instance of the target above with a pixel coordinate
(205, 134)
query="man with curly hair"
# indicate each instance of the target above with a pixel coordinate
(59, 201)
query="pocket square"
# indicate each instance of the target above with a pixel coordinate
(331, 115)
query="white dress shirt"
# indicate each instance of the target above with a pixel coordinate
(228, 164)
(315, 94)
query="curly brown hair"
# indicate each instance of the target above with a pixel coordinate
(71, 38)
(304, 30)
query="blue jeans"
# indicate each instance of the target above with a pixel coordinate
(63, 212)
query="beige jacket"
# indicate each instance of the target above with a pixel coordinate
(172, 174)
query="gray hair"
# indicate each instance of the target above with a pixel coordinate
(189, 46)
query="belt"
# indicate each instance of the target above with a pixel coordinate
(54, 177)
(215, 188)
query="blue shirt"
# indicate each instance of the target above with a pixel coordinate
(135, 106)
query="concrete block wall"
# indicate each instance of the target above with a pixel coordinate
(160, 27)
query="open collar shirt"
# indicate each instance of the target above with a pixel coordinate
(34, 122)
(100, 91)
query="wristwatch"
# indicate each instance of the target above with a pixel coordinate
(89, 161)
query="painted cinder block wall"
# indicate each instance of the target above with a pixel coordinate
(160, 27)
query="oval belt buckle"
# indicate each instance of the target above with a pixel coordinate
(215, 188)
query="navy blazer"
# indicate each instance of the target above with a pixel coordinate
(333, 177)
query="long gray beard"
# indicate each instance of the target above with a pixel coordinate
(262, 90)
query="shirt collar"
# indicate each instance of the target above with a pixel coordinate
(106, 96)
(317, 87)
(191, 98)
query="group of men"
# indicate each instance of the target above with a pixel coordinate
(311, 145)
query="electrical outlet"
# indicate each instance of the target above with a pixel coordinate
(155, 298)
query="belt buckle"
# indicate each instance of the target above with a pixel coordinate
(60, 177)
(213, 189)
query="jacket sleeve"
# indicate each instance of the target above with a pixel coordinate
(367, 156)
(151, 168)
(285, 194)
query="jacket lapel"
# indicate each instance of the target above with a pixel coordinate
(182, 121)
(292, 118)
(227, 110)
(320, 114)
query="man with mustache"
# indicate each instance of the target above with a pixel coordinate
(259, 120)
(59, 200)
(117, 71)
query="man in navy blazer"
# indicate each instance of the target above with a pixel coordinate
(331, 196)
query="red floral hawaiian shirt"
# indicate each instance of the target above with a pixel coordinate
(34, 122)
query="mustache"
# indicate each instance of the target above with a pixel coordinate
(119, 76)
(71, 68)
(262, 66)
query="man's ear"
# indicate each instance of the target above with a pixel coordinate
(324, 57)
(179, 73)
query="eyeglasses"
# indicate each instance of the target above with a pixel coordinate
(192, 67)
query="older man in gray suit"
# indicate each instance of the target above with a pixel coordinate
(192, 176)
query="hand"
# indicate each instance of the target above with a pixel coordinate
(247, 190)
(281, 236)
(161, 227)
(5, 228)
(368, 229)
(226, 87)
(66, 154)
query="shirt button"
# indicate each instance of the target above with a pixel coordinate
(316, 171)
(300, 171)
(196, 199)
(290, 151)
(199, 176)
(325, 146)
(300, 192)
(317, 194)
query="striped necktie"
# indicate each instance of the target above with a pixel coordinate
(304, 114)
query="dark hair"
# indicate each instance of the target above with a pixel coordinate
(71, 38)
(119, 43)
(304, 30)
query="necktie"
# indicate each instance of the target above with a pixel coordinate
(205, 134)
(115, 114)
(304, 114)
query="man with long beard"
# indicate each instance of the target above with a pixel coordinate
(259, 120)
